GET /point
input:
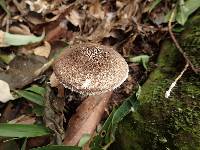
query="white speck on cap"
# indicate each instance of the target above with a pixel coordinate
(91, 68)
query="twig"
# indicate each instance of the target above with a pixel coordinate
(176, 42)
(167, 93)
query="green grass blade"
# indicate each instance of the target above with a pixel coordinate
(21, 130)
(144, 59)
(17, 39)
(37, 89)
(33, 97)
(3, 5)
(84, 139)
(186, 9)
(24, 144)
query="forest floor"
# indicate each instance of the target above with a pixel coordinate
(157, 107)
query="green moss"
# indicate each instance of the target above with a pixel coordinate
(162, 123)
(159, 78)
(190, 41)
(125, 136)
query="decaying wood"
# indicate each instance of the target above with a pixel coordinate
(87, 117)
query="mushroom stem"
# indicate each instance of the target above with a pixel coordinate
(87, 117)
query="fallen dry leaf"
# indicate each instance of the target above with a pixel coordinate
(74, 17)
(20, 29)
(21, 6)
(38, 5)
(96, 10)
(35, 18)
(87, 117)
(23, 119)
(5, 94)
(22, 70)
(43, 50)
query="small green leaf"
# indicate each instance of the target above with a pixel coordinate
(21, 130)
(84, 139)
(7, 58)
(33, 97)
(168, 15)
(103, 135)
(57, 147)
(144, 59)
(37, 89)
(185, 9)
(3, 5)
(178, 29)
(137, 94)
(24, 144)
(107, 133)
(18, 40)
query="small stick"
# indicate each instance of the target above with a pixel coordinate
(176, 42)
(167, 93)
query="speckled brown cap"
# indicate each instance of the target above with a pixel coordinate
(91, 68)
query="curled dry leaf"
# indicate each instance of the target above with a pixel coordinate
(5, 94)
(20, 29)
(35, 18)
(87, 117)
(43, 50)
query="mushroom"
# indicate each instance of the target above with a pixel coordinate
(91, 69)
(94, 70)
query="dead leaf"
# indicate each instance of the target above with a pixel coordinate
(43, 50)
(53, 115)
(21, 6)
(74, 17)
(38, 6)
(87, 118)
(60, 31)
(35, 18)
(22, 70)
(5, 94)
(96, 10)
(23, 119)
(20, 29)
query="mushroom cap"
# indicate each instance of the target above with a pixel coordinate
(90, 68)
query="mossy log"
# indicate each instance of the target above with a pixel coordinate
(172, 123)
